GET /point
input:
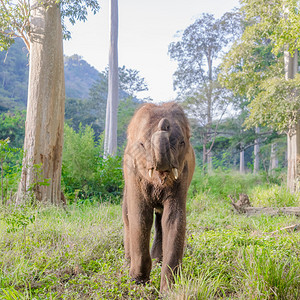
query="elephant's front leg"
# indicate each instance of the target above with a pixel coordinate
(173, 226)
(140, 221)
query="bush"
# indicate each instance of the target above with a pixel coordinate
(85, 173)
(10, 169)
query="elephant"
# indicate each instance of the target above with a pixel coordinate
(158, 166)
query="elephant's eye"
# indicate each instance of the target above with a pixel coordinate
(182, 143)
(142, 145)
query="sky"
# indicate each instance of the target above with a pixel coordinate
(146, 28)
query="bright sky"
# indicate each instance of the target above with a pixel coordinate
(146, 28)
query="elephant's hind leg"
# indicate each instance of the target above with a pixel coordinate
(156, 250)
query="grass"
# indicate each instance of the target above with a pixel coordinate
(78, 253)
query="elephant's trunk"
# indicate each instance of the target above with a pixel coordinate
(161, 147)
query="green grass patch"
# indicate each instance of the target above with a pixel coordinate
(77, 253)
(273, 196)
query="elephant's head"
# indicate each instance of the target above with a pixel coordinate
(159, 141)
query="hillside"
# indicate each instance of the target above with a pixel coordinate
(13, 77)
(79, 76)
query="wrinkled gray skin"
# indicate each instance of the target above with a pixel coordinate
(158, 166)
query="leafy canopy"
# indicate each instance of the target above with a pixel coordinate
(254, 66)
(198, 49)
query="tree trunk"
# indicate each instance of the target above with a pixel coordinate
(256, 152)
(273, 158)
(208, 127)
(209, 163)
(204, 155)
(242, 161)
(293, 136)
(43, 142)
(111, 126)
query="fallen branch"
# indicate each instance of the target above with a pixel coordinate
(292, 228)
(243, 206)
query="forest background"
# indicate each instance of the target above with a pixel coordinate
(241, 105)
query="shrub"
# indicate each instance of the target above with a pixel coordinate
(85, 173)
(10, 166)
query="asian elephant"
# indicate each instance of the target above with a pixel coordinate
(159, 162)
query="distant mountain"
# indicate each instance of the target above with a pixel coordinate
(79, 77)
(13, 77)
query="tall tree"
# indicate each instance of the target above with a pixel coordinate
(42, 23)
(111, 121)
(197, 53)
(258, 67)
(46, 104)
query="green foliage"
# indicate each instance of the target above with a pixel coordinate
(85, 173)
(12, 126)
(14, 22)
(278, 20)
(126, 109)
(40, 180)
(10, 167)
(254, 69)
(92, 111)
(131, 82)
(15, 18)
(74, 10)
(249, 62)
(268, 107)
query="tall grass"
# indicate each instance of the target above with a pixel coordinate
(268, 277)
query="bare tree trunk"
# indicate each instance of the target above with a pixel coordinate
(204, 155)
(293, 136)
(242, 161)
(110, 141)
(209, 162)
(256, 152)
(273, 158)
(208, 127)
(46, 104)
